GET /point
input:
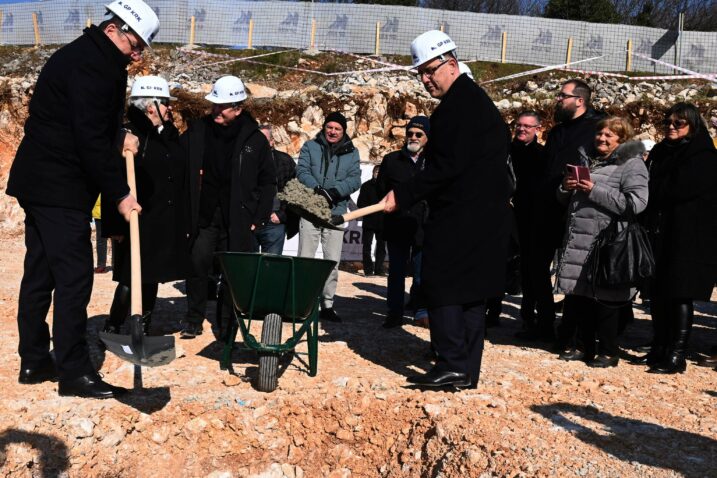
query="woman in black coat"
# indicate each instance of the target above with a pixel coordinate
(161, 190)
(682, 216)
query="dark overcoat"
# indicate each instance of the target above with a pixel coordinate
(161, 191)
(682, 213)
(253, 179)
(467, 186)
(369, 195)
(404, 226)
(70, 150)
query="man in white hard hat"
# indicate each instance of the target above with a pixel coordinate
(468, 225)
(161, 188)
(232, 184)
(70, 153)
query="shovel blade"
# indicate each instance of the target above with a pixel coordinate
(152, 352)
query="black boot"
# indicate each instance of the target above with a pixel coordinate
(118, 310)
(675, 361)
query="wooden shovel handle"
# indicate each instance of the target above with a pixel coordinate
(364, 211)
(136, 266)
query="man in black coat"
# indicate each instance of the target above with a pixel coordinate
(68, 156)
(273, 229)
(372, 226)
(232, 183)
(575, 128)
(468, 225)
(403, 230)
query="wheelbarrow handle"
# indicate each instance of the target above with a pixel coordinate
(136, 266)
(358, 213)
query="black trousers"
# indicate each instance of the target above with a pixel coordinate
(367, 238)
(541, 287)
(457, 334)
(58, 258)
(594, 320)
(210, 239)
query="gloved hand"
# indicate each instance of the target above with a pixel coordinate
(325, 194)
(335, 196)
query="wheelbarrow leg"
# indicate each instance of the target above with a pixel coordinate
(231, 336)
(313, 342)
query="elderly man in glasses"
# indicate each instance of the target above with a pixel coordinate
(403, 231)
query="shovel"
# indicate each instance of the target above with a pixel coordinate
(337, 220)
(141, 350)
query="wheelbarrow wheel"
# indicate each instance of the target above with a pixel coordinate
(268, 361)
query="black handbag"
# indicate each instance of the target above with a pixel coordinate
(621, 259)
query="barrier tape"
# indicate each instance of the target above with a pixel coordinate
(678, 68)
(544, 69)
(246, 58)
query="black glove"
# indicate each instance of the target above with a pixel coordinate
(335, 196)
(324, 194)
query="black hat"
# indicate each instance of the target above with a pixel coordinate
(336, 117)
(420, 122)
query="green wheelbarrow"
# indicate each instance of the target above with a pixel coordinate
(272, 288)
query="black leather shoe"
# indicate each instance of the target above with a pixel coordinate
(436, 378)
(710, 361)
(672, 364)
(653, 357)
(89, 386)
(572, 354)
(111, 328)
(392, 321)
(603, 361)
(44, 372)
(330, 315)
(191, 330)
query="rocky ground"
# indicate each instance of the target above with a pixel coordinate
(532, 415)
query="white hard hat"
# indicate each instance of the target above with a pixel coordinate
(227, 89)
(648, 144)
(150, 87)
(138, 16)
(463, 68)
(430, 45)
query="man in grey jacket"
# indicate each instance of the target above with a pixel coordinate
(328, 164)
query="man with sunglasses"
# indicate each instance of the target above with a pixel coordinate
(575, 128)
(403, 231)
(71, 153)
(466, 184)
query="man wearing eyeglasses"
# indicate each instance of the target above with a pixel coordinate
(403, 231)
(466, 184)
(575, 128)
(70, 153)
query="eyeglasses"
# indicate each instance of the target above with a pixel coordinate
(429, 72)
(676, 123)
(134, 45)
(163, 101)
(417, 134)
(526, 126)
(563, 96)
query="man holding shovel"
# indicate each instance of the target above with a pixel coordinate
(68, 156)
(466, 184)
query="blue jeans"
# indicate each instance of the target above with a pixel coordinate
(398, 257)
(270, 237)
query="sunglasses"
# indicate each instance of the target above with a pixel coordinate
(417, 134)
(677, 123)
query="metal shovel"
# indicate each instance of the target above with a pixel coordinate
(137, 348)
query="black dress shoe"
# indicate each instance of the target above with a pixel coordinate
(603, 361)
(671, 365)
(329, 314)
(653, 357)
(392, 321)
(572, 354)
(436, 378)
(112, 328)
(44, 372)
(191, 330)
(710, 361)
(89, 386)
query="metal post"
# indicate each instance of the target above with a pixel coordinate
(36, 26)
(570, 50)
(628, 64)
(504, 41)
(192, 30)
(377, 50)
(250, 42)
